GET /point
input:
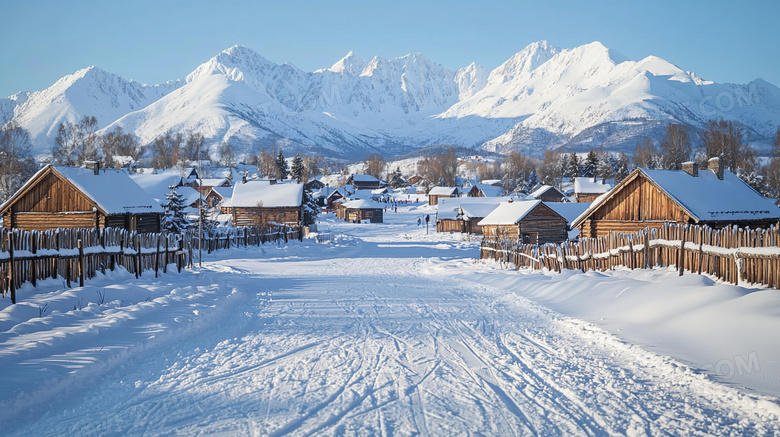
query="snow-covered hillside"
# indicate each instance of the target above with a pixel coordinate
(542, 97)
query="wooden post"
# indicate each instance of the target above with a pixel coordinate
(157, 257)
(137, 260)
(167, 259)
(681, 255)
(80, 246)
(33, 262)
(11, 285)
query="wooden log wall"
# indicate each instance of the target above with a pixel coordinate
(735, 255)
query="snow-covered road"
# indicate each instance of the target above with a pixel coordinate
(367, 336)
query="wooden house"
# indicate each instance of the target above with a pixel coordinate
(258, 203)
(70, 197)
(219, 197)
(364, 182)
(315, 184)
(547, 193)
(588, 189)
(205, 185)
(437, 193)
(714, 197)
(529, 220)
(360, 211)
(485, 190)
(463, 214)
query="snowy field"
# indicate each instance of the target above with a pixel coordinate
(384, 330)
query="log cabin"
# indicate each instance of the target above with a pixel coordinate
(714, 197)
(438, 192)
(586, 190)
(364, 182)
(463, 214)
(361, 211)
(547, 193)
(530, 221)
(70, 197)
(259, 203)
(485, 190)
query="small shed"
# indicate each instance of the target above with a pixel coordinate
(71, 197)
(437, 193)
(462, 214)
(588, 189)
(485, 190)
(361, 210)
(714, 197)
(364, 182)
(257, 203)
(547, 193)
(529, 220)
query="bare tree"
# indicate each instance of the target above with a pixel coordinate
(76, 142)
(192, 145)
(118, 143)
(518, 171)
(675, 147)
(375, 166)
(266, 164)
(165, 150)
(439, 169)
(552, 168)
(16, 163)
(227, 155)
(646, 155)
(772, 170)
(723, 139)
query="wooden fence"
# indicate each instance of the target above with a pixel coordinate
(732, 254)
(78, 254)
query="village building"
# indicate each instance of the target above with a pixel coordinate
(714, 197)
(364, 182)
(218, 196)
(204, 185)
(588, 189)
(260, 203)
(547, 193)
(70, 197)
(485, 190)
(360, 211)
(570, 211)
(315, 184)
(529, 221)
(463, 214)
(437, 193)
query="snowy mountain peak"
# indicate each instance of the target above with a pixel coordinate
(233, 63)
(471, 79)
(349, 65)
(525, 61)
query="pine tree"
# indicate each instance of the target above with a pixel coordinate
(205, 216)
(281, 164)
(591, 165)
(572, 169)
(623, 167)
(296, 172)
(175, 219)
(310, 209)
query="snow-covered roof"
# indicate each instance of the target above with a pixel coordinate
(490, 182)
(362, 204)
(189, 194)
(509, 213)
(568, 210)
(708, 198)
(267, 195)
(112, 190)
(157, 184)
(705, 197)
(364, 178)
(443, 191)
(473, 207)
(588, 186)
(213, 182)
(490, 190)
(541, 190)
(223, 192)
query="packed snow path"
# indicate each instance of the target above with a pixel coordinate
(368, 337)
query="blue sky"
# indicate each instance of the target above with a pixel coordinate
(156, 41)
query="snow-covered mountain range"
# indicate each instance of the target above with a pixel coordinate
(542, 97)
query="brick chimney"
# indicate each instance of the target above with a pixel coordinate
(716, 165)
(691, 167)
